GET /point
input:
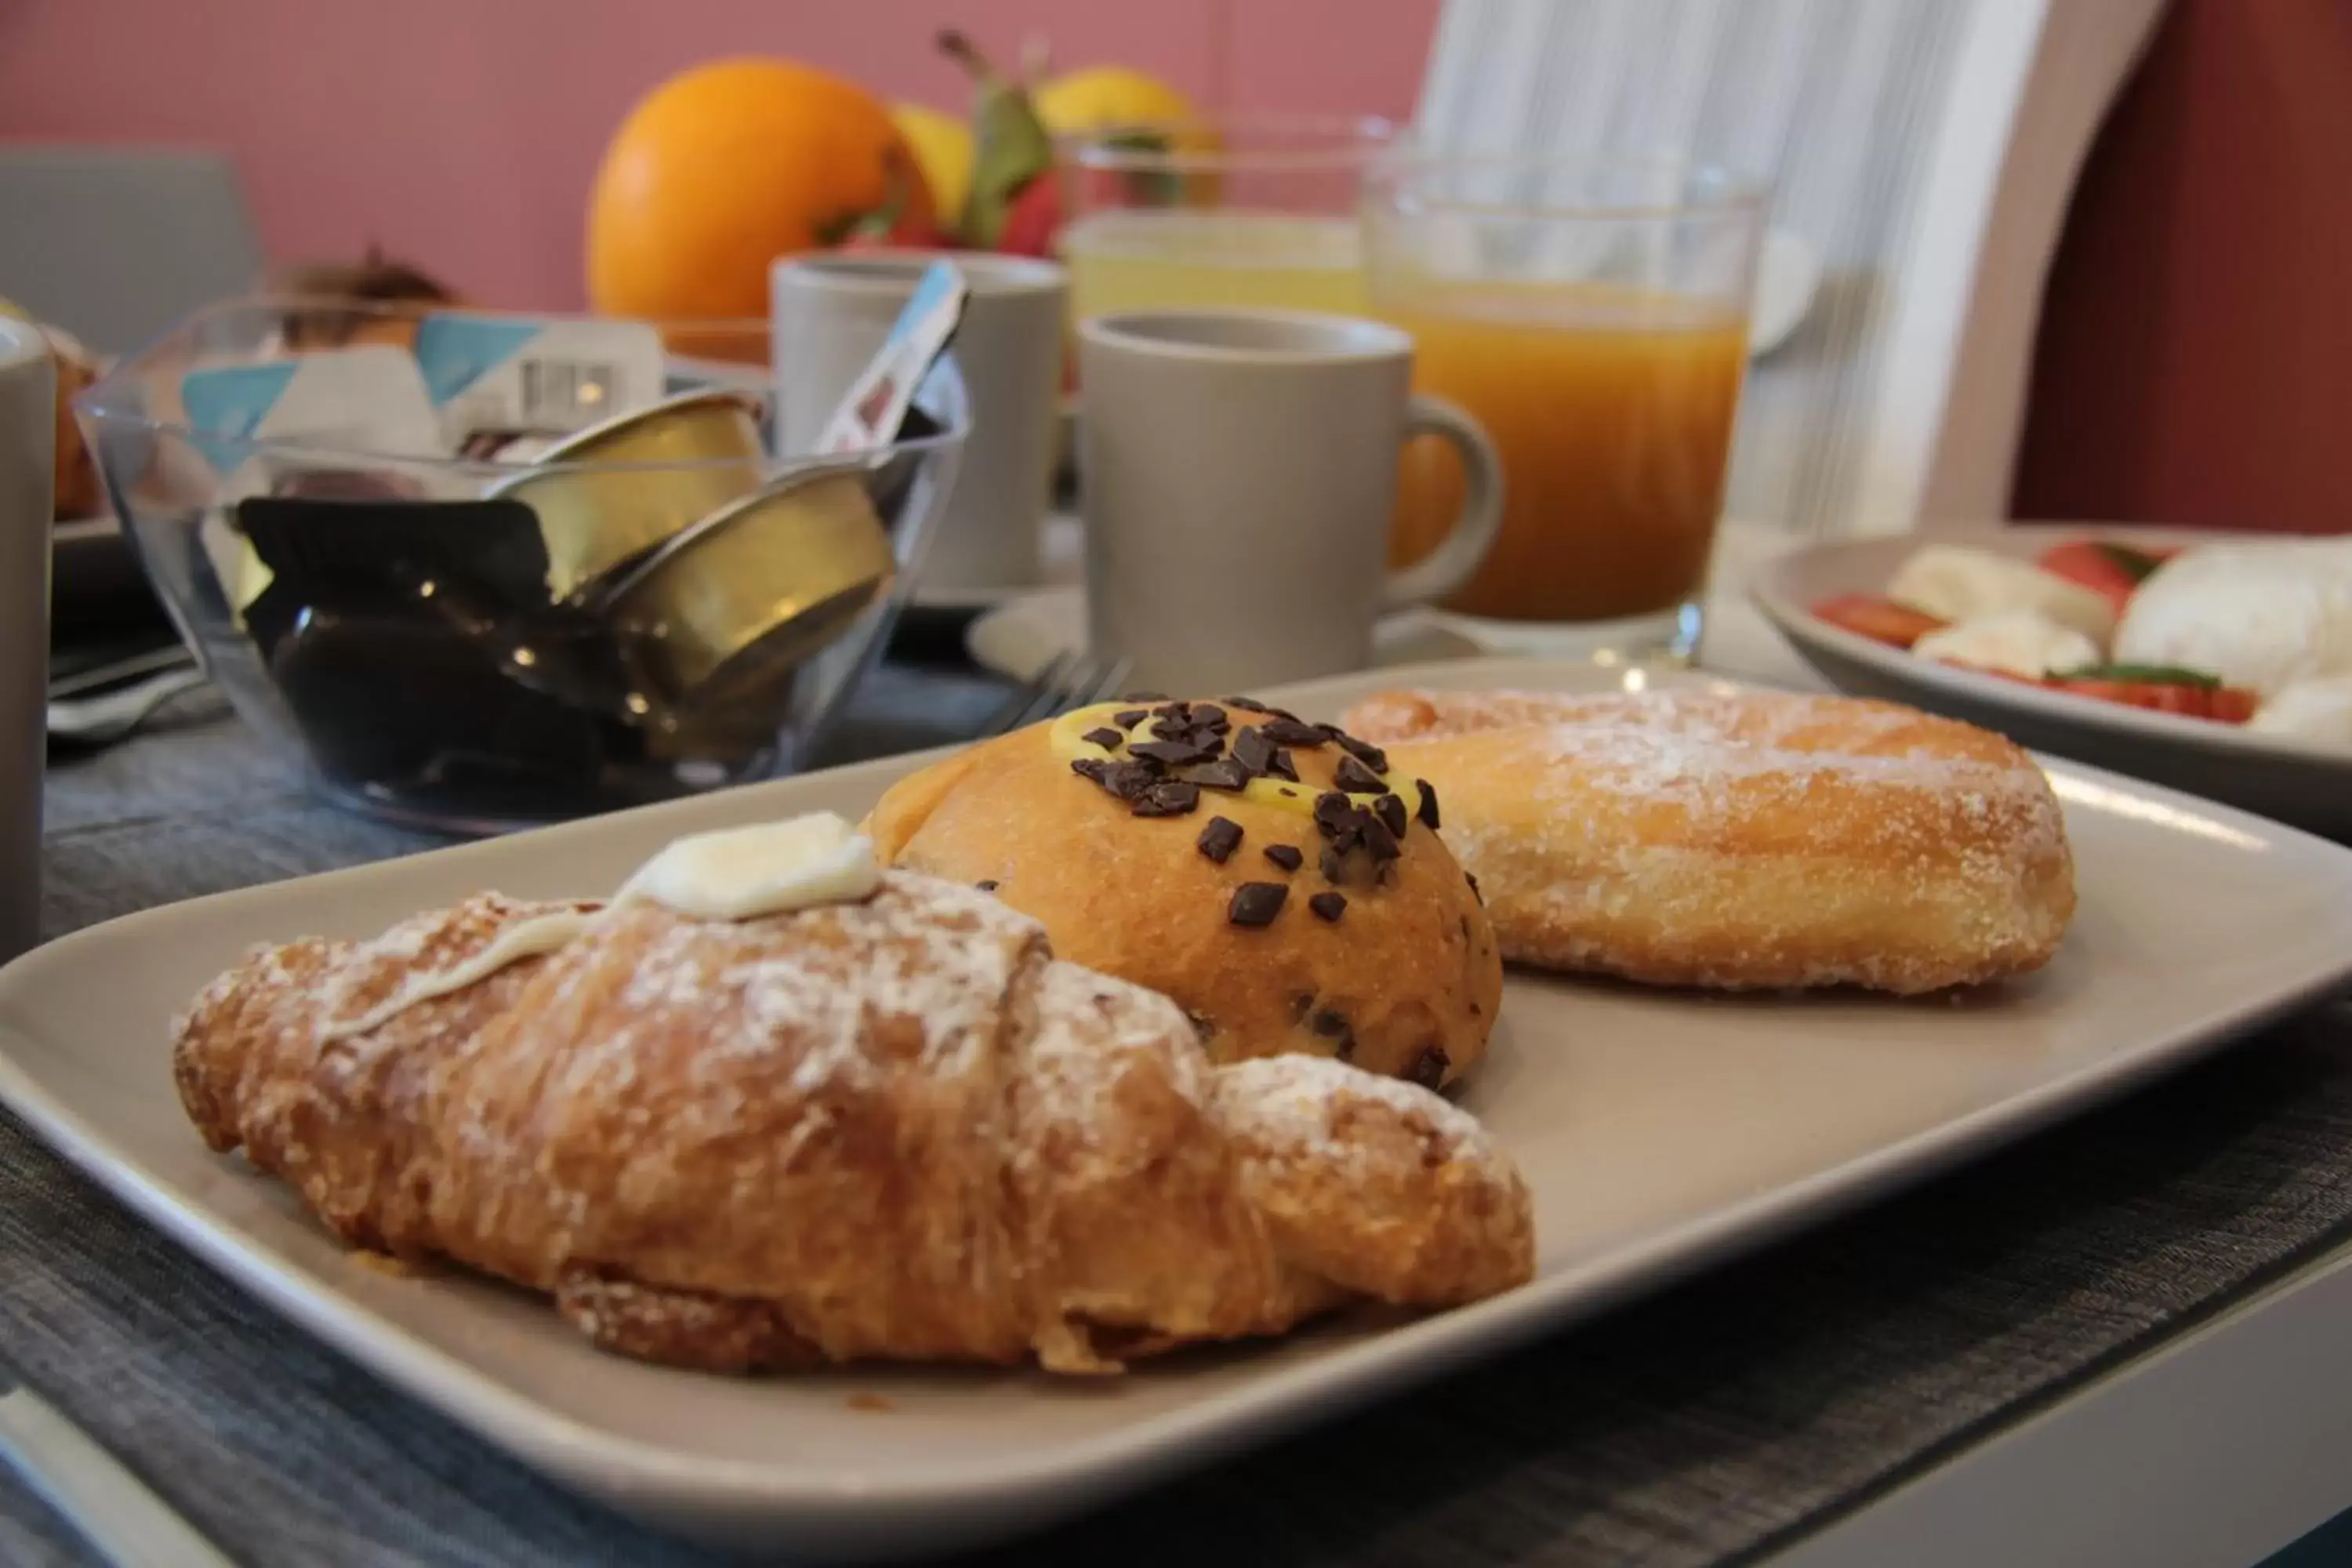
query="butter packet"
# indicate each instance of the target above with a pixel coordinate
(318, 419)
(876, 406)
(503, 384)
(368, 399)
(349, 404)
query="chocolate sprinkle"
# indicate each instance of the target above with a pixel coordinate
(1378, 839)
(1226, 772)
(1290, 856)
(1253, 750)
(1109, 739)
(1328, 906)
(1169, 797)
(1256, 903)
(1355, 778)
(1289, 732)
(1174, 753)
(1428, 812)
(1333, 811)
(1428, 1068)
(1128, 717)
(1390, 811)
(1364, 752)
(1212, 715)
(1090, 768)
(1246, 704)
(1334, 867)
(1474, 888)
(1220, 839)
(1280, 766)
(986, 887)
(1128, 781)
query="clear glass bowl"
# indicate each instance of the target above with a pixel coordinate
(476, 645)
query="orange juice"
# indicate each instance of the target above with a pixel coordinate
(1613, 411)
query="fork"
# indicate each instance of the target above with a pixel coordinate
(1066, 680)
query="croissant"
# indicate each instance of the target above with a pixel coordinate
(894, 1128)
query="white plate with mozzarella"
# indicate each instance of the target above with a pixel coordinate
(2266, 615)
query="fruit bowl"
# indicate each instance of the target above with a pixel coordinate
(475, 644)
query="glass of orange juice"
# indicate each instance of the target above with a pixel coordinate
(1593, 315)
(1243, 212)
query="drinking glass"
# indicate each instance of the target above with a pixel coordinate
(1593, 315)
(1242, 213)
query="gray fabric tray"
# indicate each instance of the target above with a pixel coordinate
(1706, 1425)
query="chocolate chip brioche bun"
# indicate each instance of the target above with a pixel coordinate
(1269, 875)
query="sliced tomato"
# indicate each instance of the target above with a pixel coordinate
(2223, 704)
(2112, 571)
(1877, 617)
(2234, 704)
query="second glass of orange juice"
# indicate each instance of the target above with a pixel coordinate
(1592, 316)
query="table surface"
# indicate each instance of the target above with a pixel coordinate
(1724, 1420)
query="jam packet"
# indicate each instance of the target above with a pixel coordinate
(504, 385)
(876, 407)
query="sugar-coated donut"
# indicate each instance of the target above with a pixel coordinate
(1740, 840)
(1276, 879)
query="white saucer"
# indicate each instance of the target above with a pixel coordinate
(1788, 277)
(1020, 637)
(1025, 628)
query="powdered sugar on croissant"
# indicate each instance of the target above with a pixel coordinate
(888, 1127)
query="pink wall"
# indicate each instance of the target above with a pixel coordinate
(463, 133)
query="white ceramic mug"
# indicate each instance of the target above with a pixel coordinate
(831, 313)
(1238, 471)
(27, 435)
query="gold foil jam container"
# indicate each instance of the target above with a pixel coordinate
(672, 464)
(755, 589)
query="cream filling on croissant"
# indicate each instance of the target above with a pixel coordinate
(529, 938)
(731, 874)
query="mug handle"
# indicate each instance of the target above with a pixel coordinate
(1452, 564)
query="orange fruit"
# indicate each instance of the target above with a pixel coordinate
(722, 169)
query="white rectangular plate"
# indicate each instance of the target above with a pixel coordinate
(1660, 1131)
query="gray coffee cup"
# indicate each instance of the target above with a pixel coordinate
(27, 438)
(1238, 470)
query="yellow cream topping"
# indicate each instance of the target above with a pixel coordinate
(1068, 739)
